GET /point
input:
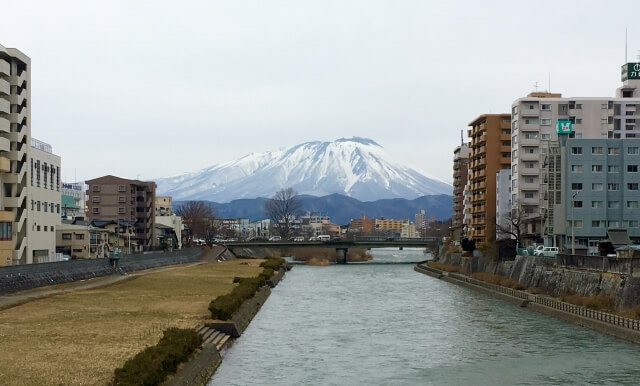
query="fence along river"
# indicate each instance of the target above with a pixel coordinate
(367, 324)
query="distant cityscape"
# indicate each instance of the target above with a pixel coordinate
(556, 171)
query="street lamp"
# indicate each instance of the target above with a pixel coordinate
(573, 243)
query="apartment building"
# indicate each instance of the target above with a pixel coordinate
(15, 133)
(168, 225)
(44, 202)
(362, 225)
(503, 204)
(535, 143)
(114, 198)
(73, 201)
(460, 173)
(602, 191)
(164, 206)
(490, 148)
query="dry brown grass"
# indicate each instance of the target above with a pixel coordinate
(536, 291)
(499, 280)
(318, 262)
(595, 302)
(79, 338)
(443, 267)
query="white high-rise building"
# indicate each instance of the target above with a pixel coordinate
(533, 131)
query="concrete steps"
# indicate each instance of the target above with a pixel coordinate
(211, 336)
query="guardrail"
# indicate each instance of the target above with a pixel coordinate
(620, 265)
(605, 317)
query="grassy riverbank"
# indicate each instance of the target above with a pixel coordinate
(81, 337)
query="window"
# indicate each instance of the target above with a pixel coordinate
(604, 106)
(576, 150)
(596, 204)
(632, 168)
(51, 206)
(577, 204)
(96, 210)
(596, 168)
(614, 150)
(578, 121)
(530, 122)
(121, 210)
(632, 186)
(613, 187)
(66, 236)
(5, 231)
(529, 180)
(576, 224)
(530, 135)
(38, 206)
(122, 188)
(596, 224)
(546, 107)
(529, 150)
(95, 188)
(44, 206)
(576, 168)
(613, 168)
(545, 136)
(596, 150)
(578, 106)
(79, 236)
(613, 204)
(506, 131)
(529, 165)
(528, 195)
(576, 186)
(545, 122)
(632, 150)
(632, 223)
(95, 199)
(121, 199)
(514, 154)
(38, 228)
(632, 204)
(614, 224)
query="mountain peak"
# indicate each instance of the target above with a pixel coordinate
(362, 171)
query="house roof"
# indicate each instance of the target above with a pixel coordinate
(619, 237)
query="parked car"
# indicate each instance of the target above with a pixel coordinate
(275, 238)
(547, 252)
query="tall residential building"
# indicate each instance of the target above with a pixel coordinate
(44, 200)
(115, 198)
(490, 148)
(460, 172)
(503, 204)
(164, 206)
(602, 180)
(535, 141)
(420, 220)
(15, 133)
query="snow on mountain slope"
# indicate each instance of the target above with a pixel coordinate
(356, 167)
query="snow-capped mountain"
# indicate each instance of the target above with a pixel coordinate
(356, 167)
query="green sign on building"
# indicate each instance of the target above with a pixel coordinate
(631, 71)
(564, 126)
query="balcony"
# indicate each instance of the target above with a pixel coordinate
(5, 125)
(505, 137)
(505, 160)
(4, 144)
(5, 87)
(5, 165)
(5, 68)
(505, 149)
(5, 106)
(529, 141)
(529, 112)
(529, 156)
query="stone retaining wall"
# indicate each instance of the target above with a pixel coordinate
(241, 319)
(24, 277)
(621, 327)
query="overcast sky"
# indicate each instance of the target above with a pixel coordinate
(144, 89)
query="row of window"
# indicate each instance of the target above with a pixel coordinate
(609, 224)
(45, 207)
(49, 170)
(610, 204)
(121, 199)
(610, 168)
(598, 186)
(121, 188)
(121, 210)
(67, 236)
(611, 151)
(46, 228)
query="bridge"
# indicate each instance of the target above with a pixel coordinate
(342, 246)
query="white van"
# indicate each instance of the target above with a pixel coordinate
(275, 238)
(547, 252)
(324, 238)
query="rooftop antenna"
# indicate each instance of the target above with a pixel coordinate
(536, 85)
(549, 85)
(461, 139)
(626, 45)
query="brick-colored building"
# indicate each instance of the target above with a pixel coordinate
(115, 198)
(490, 148)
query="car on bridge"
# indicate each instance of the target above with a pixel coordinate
(275, 238)
(298, 238)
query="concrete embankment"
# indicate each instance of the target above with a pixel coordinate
(611, 324)
(203, 365)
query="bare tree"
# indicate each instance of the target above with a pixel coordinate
(200, 217)
(512, 223)
(281, 209)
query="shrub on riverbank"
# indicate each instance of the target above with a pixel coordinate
(498, 280)
(443, 267)
(152, 365)
(223, 307)
(595, 302)
(273, 263)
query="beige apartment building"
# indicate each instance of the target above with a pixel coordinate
(490, 148)
(114, 198)
(15, 132)
(82, 241)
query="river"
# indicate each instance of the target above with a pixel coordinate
(385, 324)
